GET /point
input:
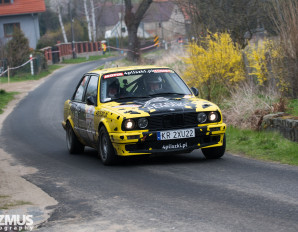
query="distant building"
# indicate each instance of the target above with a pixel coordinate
(21, 14)
(164, 18)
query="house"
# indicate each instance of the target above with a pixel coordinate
(22, 14)
(164, 18)
(120, 30)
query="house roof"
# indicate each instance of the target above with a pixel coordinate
(159, 11)
(109, 15)
(19, 7)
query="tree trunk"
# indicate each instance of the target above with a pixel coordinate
(133, 45)
(61, 24)
(93, 20)
(132, 21)
(88, 20)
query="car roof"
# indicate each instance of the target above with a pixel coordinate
(127, 68)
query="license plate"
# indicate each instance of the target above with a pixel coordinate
(175, 134)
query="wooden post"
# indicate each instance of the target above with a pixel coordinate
(31, 65)
(8, 74)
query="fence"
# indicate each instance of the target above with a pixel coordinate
(33, 65)
(64, 51)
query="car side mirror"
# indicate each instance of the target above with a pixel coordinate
(91, 100)
(195, 91)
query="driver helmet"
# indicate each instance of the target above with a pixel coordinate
(155, 83)
(114, 88)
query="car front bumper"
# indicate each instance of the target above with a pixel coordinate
(138, 143)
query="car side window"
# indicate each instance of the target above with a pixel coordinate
(92, 87)
(80, 90)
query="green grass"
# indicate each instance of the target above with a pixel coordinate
(91, 58)
(5, 98)
(155, 52)
(100, 67)
(27, 76)
(16, 203)
(293, 107)
(6, 203)
(262, 145)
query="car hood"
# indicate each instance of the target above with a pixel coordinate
(160, 105)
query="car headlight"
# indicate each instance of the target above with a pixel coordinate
(143, 123)
(213, 116)
(202, 117)
(129, 124)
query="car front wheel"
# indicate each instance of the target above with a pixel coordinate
(74, 146)
(105, 148)
(215, 152)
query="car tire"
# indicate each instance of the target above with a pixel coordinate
(106, 151)
(74, 146)
(215, 152)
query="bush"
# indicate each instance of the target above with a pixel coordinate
(215, 61)
(17, 49)
(51, 37)
(246, 107)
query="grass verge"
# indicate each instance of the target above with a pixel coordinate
(262, 145)
(85, 59)
(27, 76)
(5, 98)
(13, 204)
(6, 203)
(292, 107)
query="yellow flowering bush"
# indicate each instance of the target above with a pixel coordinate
(266, 63)
(217, 60)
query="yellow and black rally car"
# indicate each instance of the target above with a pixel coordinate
(141, 110)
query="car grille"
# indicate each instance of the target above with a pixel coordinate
(171, 121)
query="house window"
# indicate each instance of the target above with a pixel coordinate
(9, 28)
(4, 1)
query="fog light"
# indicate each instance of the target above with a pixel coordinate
(133, 137)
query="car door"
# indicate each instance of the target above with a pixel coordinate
(78, 107)
(91, 91)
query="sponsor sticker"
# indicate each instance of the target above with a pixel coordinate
(113, 75)
(162, 71)
(174, 146)
(136, 72)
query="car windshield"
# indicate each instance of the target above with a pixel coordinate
(141, 84)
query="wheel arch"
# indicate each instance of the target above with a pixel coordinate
(69, 120)
(105, 124)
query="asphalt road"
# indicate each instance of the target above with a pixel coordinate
(181, 192)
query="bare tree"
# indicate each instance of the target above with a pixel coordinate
(57, 5)
(284, 14)
(132, 21)
(239, 17)
(88, 20)
(93, 20)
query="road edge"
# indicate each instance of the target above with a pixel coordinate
(24, 197)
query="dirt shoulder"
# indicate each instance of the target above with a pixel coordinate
(17, 195)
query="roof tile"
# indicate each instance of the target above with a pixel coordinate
(22, 7)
